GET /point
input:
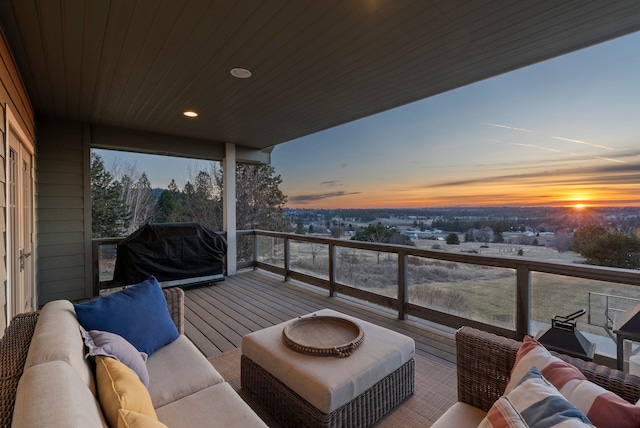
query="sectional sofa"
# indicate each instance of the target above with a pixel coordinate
(45, 354)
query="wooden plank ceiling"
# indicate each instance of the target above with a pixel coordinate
(138, 64)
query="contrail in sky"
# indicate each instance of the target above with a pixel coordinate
(508, 127)
(557, 138)
(583, 142)
(529, 145)
(613, 160)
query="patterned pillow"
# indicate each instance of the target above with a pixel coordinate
(603, 408)
(534, 402)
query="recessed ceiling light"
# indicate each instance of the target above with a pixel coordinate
(240, 73)
(190, 113)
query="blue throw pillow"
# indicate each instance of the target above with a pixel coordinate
(138, 313)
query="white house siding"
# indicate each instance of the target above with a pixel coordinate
(14, 96)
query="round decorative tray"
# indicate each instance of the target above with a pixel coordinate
(323, 335)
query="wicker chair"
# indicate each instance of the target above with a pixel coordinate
(484, 363)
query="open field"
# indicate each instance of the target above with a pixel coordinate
(536, 252)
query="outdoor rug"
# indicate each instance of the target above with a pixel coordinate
(435, 392)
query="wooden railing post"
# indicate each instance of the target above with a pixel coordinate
(332, 270)
(95, 261)
(403, 284)
(287, 258)
(255, 251)
(523, 300)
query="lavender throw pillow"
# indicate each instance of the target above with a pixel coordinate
(112, 345)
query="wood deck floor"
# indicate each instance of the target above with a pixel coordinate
(217, 316)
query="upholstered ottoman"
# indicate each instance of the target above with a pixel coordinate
(302, 390)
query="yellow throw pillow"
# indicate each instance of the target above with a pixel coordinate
(131, 419)
(119, 387)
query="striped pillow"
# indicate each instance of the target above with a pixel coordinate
(603, 408)
(534, 402)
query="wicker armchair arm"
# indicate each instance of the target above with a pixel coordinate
(175, 304)
(13, 354)
(484, 363)
(625, 385)
(485, 360)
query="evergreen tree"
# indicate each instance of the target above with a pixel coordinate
(109, 214)
(453, 239)
(260, 202)
(168, 208)
(202, 201)
(603, 248)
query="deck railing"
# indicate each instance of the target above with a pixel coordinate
(521, 266)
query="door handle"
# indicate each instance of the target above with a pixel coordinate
(23, 257)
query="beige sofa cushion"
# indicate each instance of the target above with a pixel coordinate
(216, 406)
(328, 383)
(460, 415)
(52, 394)
(177, 370)
(57, 338)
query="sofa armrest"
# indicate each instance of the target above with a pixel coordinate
(13, 354)
(484, 363)
(175, 304)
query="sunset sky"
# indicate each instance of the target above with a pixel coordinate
(563, 132)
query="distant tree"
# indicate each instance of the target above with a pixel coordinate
(604, 248)
(585, 236)
(453, 239)
(168, 208)
(138, 198)
(315, 249)
(136, 192)
(300, 229)
(336, 231)
(380, 233)
(311, 229)
(373, 233)
(109, 214)
(562, 240)
(202, 201)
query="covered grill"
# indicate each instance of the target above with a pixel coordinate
(175, 253)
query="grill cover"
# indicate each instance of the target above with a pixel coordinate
(169, 251)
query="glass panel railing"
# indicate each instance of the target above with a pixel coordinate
(310, 258)
(270, 250)
(553, 295)
(481, 293)
(106, 261)
(245, 248)
(374, 271)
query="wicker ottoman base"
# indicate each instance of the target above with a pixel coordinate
(291, 410)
